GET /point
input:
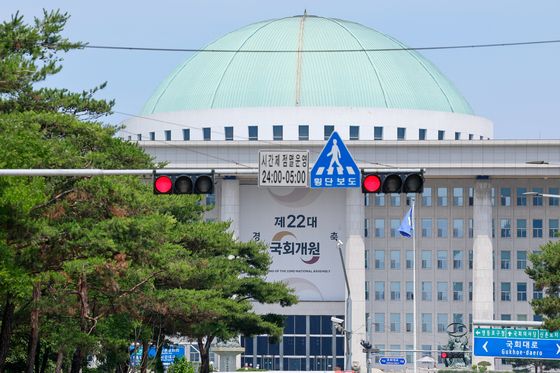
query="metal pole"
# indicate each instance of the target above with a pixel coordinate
(414, 296)
(348, 315)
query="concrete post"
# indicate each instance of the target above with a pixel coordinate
(483, 275)
(229, 210)
(354, 247)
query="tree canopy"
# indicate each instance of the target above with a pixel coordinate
(90, 266)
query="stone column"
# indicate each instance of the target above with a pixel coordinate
(354, 247)
(483, 275)
(229, 206)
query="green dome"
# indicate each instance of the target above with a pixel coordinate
(280, 76)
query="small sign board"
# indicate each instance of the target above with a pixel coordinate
(168, 354)
(283, 168)
(392, 361)
(335, 167)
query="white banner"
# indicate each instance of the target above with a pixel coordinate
(300, 227)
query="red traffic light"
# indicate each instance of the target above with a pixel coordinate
(163, 185)
(371, 184)
(444, 355)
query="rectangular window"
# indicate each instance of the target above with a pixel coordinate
(379, 290)
(505, 228)
(522, 291)
(505, 196)
(470, 291)
(442, 291)
(427, 291)
(379, 322)
(521, 198)
(537, 293)
(401, 133)
(366, 227)
(441, 228)
(471, 228)
(409, 322)
(395, 259)
(521, 228)
(552, 227)
(395, 319)
(395, 290)
(458, 317)
(303, 133)
(206, 134)
(422, 134)
(379, 200)
(458, 199)
(152, 136)
(139, 137)
(471, 196)
(395, 224)
(521, 259)
(505, 291)
(442, 259)
(366, 259)
(458, 228)
(327, 131)
(457, 135)
(505, 259)
(554, 201)
(366, 288)
(277, 133)
(427, 197)
(470, 259)
(354, 132)
(426, 227)
(228, 133)
(409, 259)
(186, 134)
(426, 259)
(457, 259)
(378, 133)
(442, 196)
(537, 228)
(253, 133)
(395, 199)
(409, 290)
(167, 134)
(379, 228)
(537, 199)
(426, 322)
(471, 136)
(442, 322)
(458, 291)
(379, 259)
(440, 135)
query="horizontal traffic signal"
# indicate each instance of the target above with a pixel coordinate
(184, 184)
(393, 182)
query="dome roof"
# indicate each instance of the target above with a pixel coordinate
(298, 63)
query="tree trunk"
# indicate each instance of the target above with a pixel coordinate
(77, 359)
(34, 338)
(6, 331)
(204, 348)
(45, 361)
(145, 350)
(59, 361)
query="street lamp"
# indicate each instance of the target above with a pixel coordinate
(338, 325)
(537, 194)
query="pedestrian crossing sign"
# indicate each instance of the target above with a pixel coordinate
(335, 167)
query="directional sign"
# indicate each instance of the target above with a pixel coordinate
(168, 354)
(284, 168)
(392, 361)
(517, 343)
(335, 167)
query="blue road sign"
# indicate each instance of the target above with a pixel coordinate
(392, 361)
(335, 167)
(517, 348)
(168, 354)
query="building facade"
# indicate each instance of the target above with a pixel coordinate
(281, 87)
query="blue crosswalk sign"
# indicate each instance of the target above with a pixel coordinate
(335, 167)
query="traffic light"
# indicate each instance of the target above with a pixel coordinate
(366, 345)
(393, 182)
(184, 183)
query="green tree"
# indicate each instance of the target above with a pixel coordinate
(545, 271)
(538, 365)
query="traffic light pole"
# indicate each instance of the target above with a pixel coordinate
(84, 172)
(348, 316)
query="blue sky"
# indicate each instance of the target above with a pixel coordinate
(518, 88)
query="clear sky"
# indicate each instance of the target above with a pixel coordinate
(518, 88)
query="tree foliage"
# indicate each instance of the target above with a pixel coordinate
(545, 271)
(89, 266)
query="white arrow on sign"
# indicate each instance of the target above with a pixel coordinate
(486, 349)
(558, 345)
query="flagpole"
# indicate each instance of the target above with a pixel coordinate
(415, 322)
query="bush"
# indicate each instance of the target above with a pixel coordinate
(181, 365)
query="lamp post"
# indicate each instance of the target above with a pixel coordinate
(537, 194)
(348, 315)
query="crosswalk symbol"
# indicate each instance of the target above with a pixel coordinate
(335, 167)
